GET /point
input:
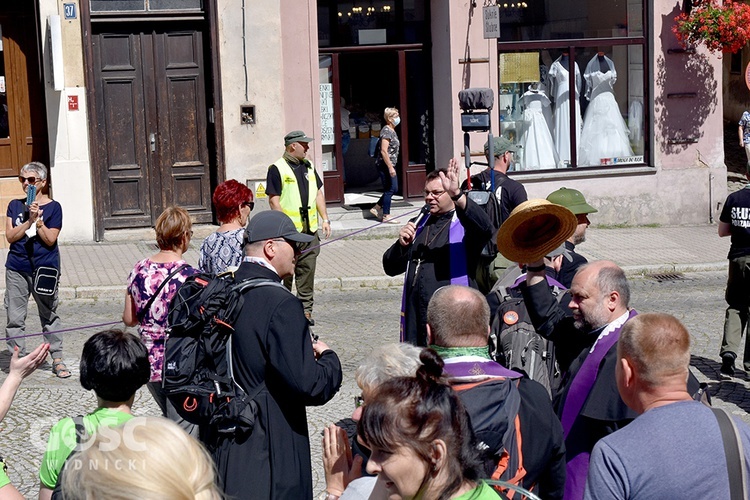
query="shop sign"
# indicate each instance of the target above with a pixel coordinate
(491, 21)
(327, 135)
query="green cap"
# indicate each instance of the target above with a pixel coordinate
(296, 136)
(499, 146)
(572, 199)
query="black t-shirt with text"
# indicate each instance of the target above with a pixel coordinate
(736, 212)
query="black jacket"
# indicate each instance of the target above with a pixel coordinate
(431, 247)
(272, 345)
(570, 264)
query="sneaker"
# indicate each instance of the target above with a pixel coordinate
(727, 364)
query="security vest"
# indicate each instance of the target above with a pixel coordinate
(290, 199)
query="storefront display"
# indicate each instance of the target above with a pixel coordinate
(558, 77)
(605, 134)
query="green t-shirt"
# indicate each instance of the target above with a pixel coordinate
(62, 440)
(4, 479)
(483, 491)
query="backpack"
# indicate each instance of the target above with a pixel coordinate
(198, 378)
(515, 344)
(81, 437)
(492, 406)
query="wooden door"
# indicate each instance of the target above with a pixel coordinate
(151, 144)
(23, 130)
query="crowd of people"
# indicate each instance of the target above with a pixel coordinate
(439, 416)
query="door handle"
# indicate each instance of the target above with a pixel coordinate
(152, 141)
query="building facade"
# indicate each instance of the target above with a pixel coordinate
(139, 104)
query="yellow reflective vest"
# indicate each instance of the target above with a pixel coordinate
(290, 199)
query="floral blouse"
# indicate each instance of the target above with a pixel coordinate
(393, 144)
(143, 281)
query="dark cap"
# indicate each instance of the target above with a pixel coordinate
(499, 146)
(296, 136)
(572, 199)
(271, 224)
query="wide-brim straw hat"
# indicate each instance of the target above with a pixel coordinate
(533, 229)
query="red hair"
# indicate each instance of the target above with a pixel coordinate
(227, 198)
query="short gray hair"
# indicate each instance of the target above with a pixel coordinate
(386, 362)
(458, 316)
(37, 167)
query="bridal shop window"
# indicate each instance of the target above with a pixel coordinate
(572, 83)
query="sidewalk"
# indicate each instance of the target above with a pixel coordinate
(100, 270)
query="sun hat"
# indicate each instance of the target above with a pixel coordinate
(535, 228)
(271, 224)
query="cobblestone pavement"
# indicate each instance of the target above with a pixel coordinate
(352, 322)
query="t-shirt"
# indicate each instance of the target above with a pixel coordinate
(26, 254)
(4, 479)
(745, 124)
(672, 451)
(221, 250)
(62, 440)
(273, 179)
(393, 145)
(483, 491)
(143, 282)
(736, 212)
(509, 192)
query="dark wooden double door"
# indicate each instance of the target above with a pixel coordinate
(151, 126)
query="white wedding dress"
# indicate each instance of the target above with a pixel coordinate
(538, 146)
(559, 78)
(605, 134)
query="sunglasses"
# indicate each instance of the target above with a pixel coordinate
(31, 180)
(250, 204)
(290, 243)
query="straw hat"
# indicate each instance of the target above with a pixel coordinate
(533, 229)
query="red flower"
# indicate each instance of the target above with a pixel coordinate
(720, 28)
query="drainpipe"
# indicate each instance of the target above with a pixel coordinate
(710, 197)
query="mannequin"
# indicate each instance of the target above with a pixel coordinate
(604, 134)
(559, 78)
(538, 146)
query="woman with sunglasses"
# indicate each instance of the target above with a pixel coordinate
(222, 250)
(151, 285)
(32, 227)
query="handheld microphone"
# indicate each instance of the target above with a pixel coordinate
(423, 212)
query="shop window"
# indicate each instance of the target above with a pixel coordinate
(144, 5)
(573, 92)
(372, 22)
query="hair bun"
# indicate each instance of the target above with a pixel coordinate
(432, 366)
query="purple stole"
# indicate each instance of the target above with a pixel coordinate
(580, 387)
(467, 369)
(550, 281)
(457, 252)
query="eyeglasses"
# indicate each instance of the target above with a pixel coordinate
(359, 401)
(250, 204)
(435, 194)
(30, 180)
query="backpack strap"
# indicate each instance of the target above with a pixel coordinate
(80, 428)
(147, 308)
(242, 287)
(736, 467)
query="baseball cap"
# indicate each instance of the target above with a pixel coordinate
(271, 224)
(499, 146)
(296, 136)
(572, 199)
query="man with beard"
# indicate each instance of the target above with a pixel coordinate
(587, 401)
(574, 201)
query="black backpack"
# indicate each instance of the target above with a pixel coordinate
(515, 344)
(198, 378)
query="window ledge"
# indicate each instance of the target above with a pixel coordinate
(582, 173)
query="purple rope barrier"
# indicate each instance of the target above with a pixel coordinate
(64, 330)
(358, 231)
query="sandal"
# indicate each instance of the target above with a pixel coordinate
(59, 369)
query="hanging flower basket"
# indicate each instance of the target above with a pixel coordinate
(724, 28)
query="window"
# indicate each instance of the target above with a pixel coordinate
(595, 53)
(372, 22)
(144, 5)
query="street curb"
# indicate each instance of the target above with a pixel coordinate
(378, 282)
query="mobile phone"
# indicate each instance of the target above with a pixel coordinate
(30, 194)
